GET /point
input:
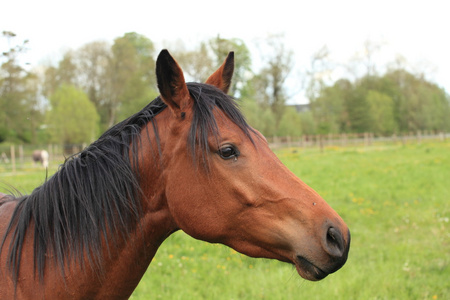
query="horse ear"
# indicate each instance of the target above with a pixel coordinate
(171, 84)
(222, 77)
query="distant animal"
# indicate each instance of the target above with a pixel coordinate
(40, 156)
(4, 158)
(188, 161)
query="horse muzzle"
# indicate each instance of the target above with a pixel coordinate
(335, 247)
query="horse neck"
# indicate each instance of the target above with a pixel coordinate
(156, 224)
(124, 272)
(124, 267)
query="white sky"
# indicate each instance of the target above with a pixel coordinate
(418, 30)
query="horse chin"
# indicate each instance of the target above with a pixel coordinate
(308, 270)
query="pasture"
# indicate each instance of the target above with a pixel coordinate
(395, 198)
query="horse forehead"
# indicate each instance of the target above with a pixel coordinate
(260, 136)
(225, 124)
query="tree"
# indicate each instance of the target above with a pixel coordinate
(308, 125)
(242, 60)
(396, 101)
(201, 62)
(117, 79)
(72, 118)
(34, 110)
(290, 124)
(357, 107)
(364, 62)
(65, 73)
(131, 70)
(258, 116)
(318, 74)
(197, 63)
(93, 61)
(17, 94)
(329, 108)
(418, 104)
(269, 82)
(381, 113)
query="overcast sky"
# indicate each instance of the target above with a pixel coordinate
(417, 30)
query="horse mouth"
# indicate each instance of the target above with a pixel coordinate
(308, 270)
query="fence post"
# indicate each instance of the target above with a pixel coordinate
(321, 143)
(419, 137)
(13, 158)
(50, 153)
(344, 139)
(21, 155)
(275, 141)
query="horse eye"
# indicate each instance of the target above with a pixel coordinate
(228, 152)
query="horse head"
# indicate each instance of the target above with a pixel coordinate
(223, 184)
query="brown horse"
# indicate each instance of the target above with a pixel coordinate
(187, 161)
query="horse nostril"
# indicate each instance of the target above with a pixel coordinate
(335, 242)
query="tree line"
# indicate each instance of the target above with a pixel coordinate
(91, 88)
(396, 102)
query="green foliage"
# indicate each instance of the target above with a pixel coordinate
(269, 82)
(137, 102)
(418, 104)
(262, 117)
(308, 125)
(290, 124)
(72, 118)
(329, 108)
(395, 102)
(381, 113)
(259, 117)
(19, 107)
(133, 81)
(114, 77)
(131, 74)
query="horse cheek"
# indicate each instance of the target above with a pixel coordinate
(189, 205)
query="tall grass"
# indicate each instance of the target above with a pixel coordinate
(394, 198)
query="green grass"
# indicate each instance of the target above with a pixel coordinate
(394, 198)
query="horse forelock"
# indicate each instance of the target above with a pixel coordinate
(206, 99)
(95, 195)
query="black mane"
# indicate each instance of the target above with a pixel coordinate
(96, 195)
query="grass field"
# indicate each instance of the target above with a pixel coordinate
(394, 198)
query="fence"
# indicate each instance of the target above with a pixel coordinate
(352, 139)
(19, 157)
